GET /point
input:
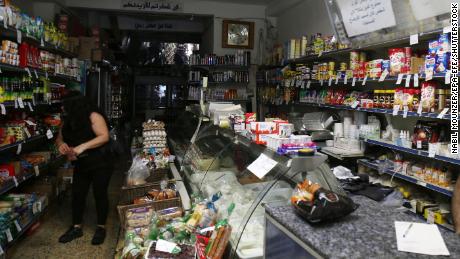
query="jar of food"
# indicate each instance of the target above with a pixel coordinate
(382, 94)
(416, 100)
(441, 99)
(376, 98)
(389, 99)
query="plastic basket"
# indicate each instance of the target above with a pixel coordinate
(156, 205)
(129, 193)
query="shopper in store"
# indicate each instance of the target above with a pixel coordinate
(83, 139)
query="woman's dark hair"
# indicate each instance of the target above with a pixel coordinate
(77, 110)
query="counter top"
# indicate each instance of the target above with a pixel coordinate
(368, 232)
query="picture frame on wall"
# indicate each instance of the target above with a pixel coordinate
(237, 34)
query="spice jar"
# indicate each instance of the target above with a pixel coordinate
(441, 99)
(389, 99)
(376, 98)
(382, 94)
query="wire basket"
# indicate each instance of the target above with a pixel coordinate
(156, 205)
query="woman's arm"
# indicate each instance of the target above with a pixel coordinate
(101, 131)
(63, 148)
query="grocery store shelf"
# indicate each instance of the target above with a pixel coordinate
(375, 166)
(376, 110)
(412, 151)
(222, 66)
(323, 56)
(7, 67)
(15, 145)
(219, 83)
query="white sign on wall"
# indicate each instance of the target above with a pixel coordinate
(364, 16)
(151, 6)
(131, 23)
(423, 9)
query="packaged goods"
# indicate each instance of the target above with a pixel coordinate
(139, 217)
(397, 61)
(427, 98)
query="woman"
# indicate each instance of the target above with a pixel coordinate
(82, 137)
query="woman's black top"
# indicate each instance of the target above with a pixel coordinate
(74, 134)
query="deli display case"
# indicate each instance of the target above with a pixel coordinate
(214, 163)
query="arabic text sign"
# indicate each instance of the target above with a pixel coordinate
(364, 16)
(151, 6)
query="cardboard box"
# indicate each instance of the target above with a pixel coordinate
(417, 65)
(87, 44)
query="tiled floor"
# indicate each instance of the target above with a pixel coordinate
(44, 242)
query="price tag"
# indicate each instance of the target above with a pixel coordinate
(428, 74)
(353, 82)
(37, 170)
(447, 29)
(78, 78)
(292, 82)
(308, 84)
(321, 82)
(302, 85)
(414, 39)
(330, 81)
(2, 107)
(419, 144)
(5, 20)
(9, 237)
(42, 42)
(30, 106)
(430, 216)
(419, 109)
(33, 101)
(408, 80)
(443, 112)
(405, 111)
(18, 151)
(320, 53)
(396, 109)
(35, 72)
(27, 132)
(18, 227)
(205, 81)
(28, 122)
(364, 81)
(421, 183)
(355, 104)
(20, 103)
(46, 75)
(28, 71)
(289, 163)
(345, 80)
(400, 78)
(1, 250)
(19, 36)
(0, 70)
(432, 149)
(337, 80)
(15, 180)
(447, 78)
(383, 75)
(49, 134)
(404, 168)
(415, 80)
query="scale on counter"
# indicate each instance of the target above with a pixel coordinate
(316, 124)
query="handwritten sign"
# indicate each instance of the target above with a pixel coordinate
(364, 16)
(151, 6)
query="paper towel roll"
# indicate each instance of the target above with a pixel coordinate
(338, 130)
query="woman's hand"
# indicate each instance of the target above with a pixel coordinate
(64, 149)
(79, 149)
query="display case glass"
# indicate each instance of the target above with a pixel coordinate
(216, 163)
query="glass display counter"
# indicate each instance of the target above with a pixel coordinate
(216, 164)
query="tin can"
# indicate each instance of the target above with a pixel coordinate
(354, 60)
(331, 66)
(343, 66)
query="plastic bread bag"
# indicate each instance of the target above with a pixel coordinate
(138, 172)
(316, 204)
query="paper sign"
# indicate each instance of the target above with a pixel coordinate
(364, 81)
(419, 238)
(430, 217)
(28, 71)
(18, 151)
(408, 80)
(337, 80)
(2, 106)
(353, 82)
(413, 39)
(165, 246)
(15, 180)
(447, 78)
(345, 80)
(443, 113)
(262, 165)
(30, 106)
(396, 109)
(422, 9)
(447, 29)
(383, 75)
(419, 109)
(37, 170)
(405, 111)
(432, 149)
(20, 103)
(308, 84)
(330, 81)
(49, 134)
(428, 74)
(17, 226)
(400, 78)
(419, 144)
(415, 80)
(360, 17)
(9, 237)
(19, 36)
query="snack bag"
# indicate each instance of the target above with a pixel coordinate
(316, 204)
(138, 172)
(427, 98)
